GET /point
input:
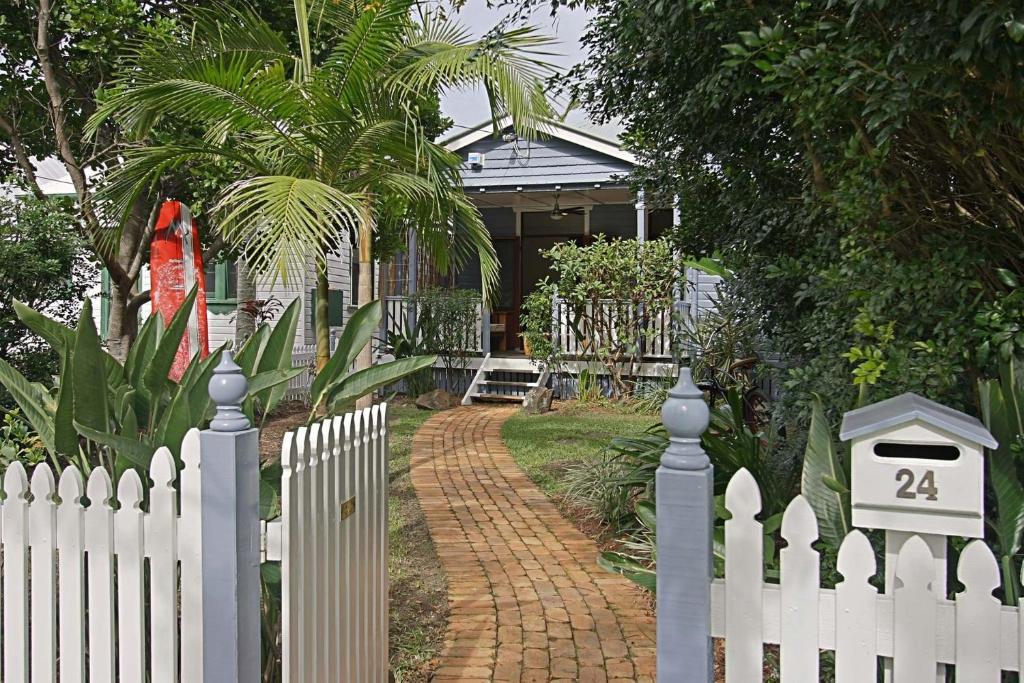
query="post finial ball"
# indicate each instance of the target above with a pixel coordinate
(685, 416)
(228, 388)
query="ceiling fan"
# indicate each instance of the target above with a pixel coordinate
(559, 213)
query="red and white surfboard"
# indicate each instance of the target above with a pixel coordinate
(176, 266)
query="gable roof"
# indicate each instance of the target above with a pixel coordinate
(909, 407)
(552, 129)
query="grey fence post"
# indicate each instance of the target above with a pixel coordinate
(485, 327)
(229, 468)
(685, 511)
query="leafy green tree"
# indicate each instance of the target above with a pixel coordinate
(42, 262)
(847, 159)
(326, 139)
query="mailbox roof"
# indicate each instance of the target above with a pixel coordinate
(907, 407)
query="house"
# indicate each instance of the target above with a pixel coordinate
(569, 185)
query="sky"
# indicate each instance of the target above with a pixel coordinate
(469, 108)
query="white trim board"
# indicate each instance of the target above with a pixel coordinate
(553, 129)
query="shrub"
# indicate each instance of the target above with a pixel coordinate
(448, 318)
(612, 290)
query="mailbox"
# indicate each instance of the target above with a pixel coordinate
(917, 466)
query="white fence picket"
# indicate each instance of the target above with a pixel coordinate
(99, 549)
(163, 567)
(291, 560)
(359, 568)
(914, 658)
(349, 540)
(799, 594)
(129, 524)
(383, 481)
(978, 616)
(15, 573)
(376, 581)
(744, 653)
(855, 622)
(190, 553)
(42, 524)
(71, 576)
(329, 506)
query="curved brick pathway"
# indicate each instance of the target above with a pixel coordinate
(528, 602)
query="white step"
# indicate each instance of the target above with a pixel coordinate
(510, 398)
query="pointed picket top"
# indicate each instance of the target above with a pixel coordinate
(977, 569)
(162, 469)
(338, 431)
(915, 565)
(357, 426)
(71, 488)
(43, 485)
(383, 418)
(365, 419)
(328, 435)
(374, 421)
(15, 481)
(856, 560)
(315, 445)
(347, 431)
(290, 460)
(129, 490)
(799, 525)
(742, 496)
(190, 449)
(98, 489)
(301, 445)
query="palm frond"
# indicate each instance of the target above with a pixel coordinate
(284, 221)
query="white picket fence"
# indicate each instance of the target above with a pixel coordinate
(303, 356)
(916, 625)
(332, 539)
(78, 599)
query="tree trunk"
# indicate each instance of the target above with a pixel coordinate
(122, 324)
(323, 319)
(245, 321)
(365, 357)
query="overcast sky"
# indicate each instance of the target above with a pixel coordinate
(469, 108)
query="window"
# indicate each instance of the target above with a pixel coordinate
(221, 281)
(221, 286)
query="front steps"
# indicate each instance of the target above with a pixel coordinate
(504, 380)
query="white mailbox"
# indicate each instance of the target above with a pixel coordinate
(917, 466)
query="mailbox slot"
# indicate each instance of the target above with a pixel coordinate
(917, 451)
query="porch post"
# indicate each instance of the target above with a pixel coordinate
(684, 505)
(485, 327)
(641, 218)
(229, 467)
(413, 283)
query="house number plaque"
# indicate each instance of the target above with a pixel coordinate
(347, 508)
(925, 486)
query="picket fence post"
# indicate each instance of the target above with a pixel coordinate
(684, 483)
(229, 468)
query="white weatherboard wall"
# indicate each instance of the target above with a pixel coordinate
(916, 626)
(66, 565)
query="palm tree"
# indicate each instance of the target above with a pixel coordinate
(325, 140)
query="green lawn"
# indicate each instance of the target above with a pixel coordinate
(544, 445)
(419, 594)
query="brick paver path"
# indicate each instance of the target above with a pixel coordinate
(528, 602)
